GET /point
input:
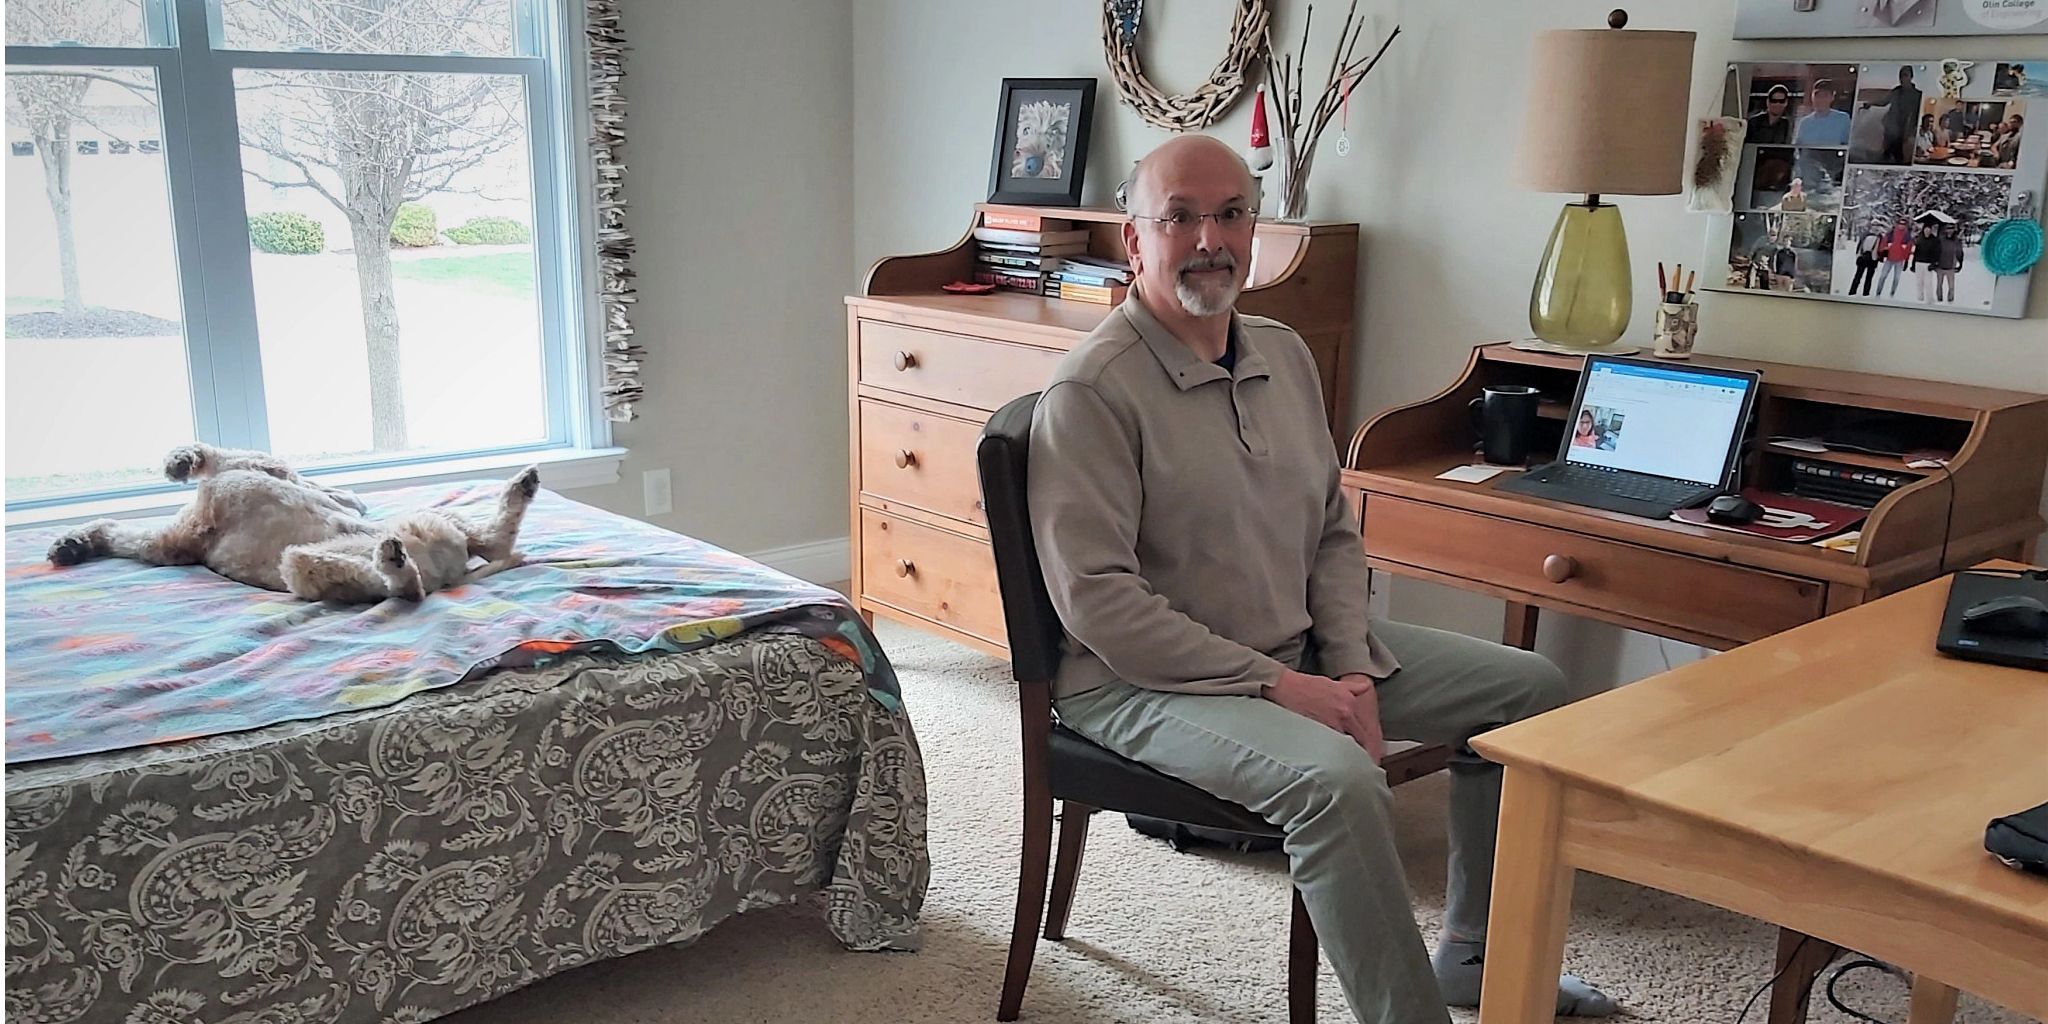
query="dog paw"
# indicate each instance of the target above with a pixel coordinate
(184, 461)
(527, 483)
(348, 500)
(70, 549)
(391, 554)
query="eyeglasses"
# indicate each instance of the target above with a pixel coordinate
(1187, 222)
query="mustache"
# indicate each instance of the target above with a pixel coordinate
(1222, 260)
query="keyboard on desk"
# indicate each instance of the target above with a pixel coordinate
(1617, 490)
(1627, 485)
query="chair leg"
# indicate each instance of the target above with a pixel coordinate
(1073, 837)
(1301, 966)
(1031, 869)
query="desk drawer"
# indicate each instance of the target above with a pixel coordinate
(920, 459)
(955, 368)
(940, 576)
(1733, 602)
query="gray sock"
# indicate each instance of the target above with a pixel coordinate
(1459, 966)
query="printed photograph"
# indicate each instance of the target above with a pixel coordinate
(1886, 123)
(2011, 79)
(1978, 134)
(1040, 150)
(1894, 14)
(1782, 252)
(1598, 427)
(1911, 236)
(1041, 141)
(1799, 104)
(1789, 180)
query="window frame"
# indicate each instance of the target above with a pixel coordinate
(201, 136)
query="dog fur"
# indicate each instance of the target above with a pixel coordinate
(256, 521)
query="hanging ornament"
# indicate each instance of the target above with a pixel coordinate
(1260, 155)
(1344, 121)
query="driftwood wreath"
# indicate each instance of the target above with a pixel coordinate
(1185, 111)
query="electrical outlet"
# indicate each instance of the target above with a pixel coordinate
(1379, 598)
(654, 487)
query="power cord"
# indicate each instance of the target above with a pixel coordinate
(1835, 999)
(1834, 979)
(1766, 986)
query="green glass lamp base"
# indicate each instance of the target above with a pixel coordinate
(1581, 297)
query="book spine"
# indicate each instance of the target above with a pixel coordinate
(1001, 279)
(1086, 293)
(1023, 220)
(1009, 259)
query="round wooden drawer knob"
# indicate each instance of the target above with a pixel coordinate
(1559, 568)
(905, 360)
(905, 458)
(904, 567)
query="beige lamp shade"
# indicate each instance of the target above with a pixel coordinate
(1607, 112)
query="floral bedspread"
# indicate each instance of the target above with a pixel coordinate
(115, 654)
(396, 864)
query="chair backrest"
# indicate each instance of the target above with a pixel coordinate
(1003, 456)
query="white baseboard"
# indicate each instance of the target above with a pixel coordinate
(822, 562)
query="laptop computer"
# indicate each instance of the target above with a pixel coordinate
(1647, 438)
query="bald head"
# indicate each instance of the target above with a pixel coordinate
(1189, 163)
(1189, 238)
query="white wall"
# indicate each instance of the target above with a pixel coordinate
(1450, 247)
(739, 140)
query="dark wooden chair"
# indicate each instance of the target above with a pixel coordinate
(1061, 765)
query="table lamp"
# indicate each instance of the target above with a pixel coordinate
(1607, 114)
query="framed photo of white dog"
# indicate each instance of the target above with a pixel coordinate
(1041, 146)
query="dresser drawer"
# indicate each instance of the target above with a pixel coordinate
(920, 459)
(955, 368)
(937, 575)
(1733, 602)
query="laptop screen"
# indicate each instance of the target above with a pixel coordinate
(1670, 421)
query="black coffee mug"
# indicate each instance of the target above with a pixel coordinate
(1505, 417)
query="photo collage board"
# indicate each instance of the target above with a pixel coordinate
(1874, 182)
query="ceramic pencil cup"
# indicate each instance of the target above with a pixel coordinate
(1676, 327)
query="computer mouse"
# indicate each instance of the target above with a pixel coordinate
(1733, 508)
(2021, 615)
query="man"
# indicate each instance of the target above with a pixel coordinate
(1772, 125)
(1184, 499)
(1823, 125)
(1901, 110)
(2005, 152)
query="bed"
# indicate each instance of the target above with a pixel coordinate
(226, 805)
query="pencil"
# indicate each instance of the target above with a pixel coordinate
(1689, 279)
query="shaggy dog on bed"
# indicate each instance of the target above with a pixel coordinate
(256, 521)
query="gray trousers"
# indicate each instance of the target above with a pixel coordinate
(1332, 800)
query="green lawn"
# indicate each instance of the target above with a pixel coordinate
(500, 273)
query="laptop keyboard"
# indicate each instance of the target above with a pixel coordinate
(1626, 485)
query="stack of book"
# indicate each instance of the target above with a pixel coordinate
(1089, 279)
(1018, 249)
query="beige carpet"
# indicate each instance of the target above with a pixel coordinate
(1155, 937)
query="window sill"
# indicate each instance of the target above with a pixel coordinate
(561, 469)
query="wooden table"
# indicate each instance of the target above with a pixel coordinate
(1834, 779)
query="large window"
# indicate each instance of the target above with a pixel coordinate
(343, 232)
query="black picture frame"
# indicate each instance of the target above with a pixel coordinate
(1032, 173)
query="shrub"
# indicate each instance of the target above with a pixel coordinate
(285, 232)
(414, 226)
(490, 231)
